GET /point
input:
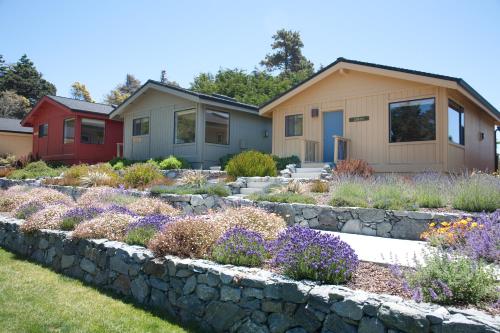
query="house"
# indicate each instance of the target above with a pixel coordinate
(161, 120)
(398, 120)
(14, 138)
(73, 131)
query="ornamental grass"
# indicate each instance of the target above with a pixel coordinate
(303, 253)
(191, 236)
(109, 225)
(48, 218)
(149, 206)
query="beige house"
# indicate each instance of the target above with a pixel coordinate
(14, 138)
(398, 120)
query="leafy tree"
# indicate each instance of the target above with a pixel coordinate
(25, 80)
(124, 90)
(287, 57)
(13, 105)
(79, 91)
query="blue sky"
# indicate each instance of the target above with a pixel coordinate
(98, 42)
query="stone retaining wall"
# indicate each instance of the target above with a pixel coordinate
(233, 299)
(366, 221)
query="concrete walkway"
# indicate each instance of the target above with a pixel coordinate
(384, 250)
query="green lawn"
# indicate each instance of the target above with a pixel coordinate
(35, 299)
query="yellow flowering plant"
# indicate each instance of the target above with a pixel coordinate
(448, 234)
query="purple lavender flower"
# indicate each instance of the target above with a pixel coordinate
(78, 215)
(156, 222)
(304, 253)
(239, 246)
(417, 295)
(120, 210)
(432, 293)
(483, 241)
(445, 289)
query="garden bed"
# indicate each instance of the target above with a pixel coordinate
(223, 298)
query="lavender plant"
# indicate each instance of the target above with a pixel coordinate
(27, 209)
(142, 231)
(239, 246)
(78, 215)
(483, 242)
(303, 253)
(451, 279)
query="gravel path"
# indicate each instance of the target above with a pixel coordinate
(384, 250)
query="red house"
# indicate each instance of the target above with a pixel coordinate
(73, 131)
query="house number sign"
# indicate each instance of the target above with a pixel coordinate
(355, 119)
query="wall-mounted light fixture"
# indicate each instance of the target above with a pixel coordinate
(314, 112)
(481, 136)
(266, 133)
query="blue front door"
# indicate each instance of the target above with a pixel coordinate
(333, 124)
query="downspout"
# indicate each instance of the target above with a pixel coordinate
(496, 143)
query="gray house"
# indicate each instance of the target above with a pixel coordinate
(161, 120)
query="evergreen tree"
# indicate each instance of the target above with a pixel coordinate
(287, 57)
(25, 80)
(79, 91)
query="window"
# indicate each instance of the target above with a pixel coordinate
(185, 126)
(293, 125)
(43, 130)
(69, 130)
(217, 127)
(140, 126)
(456, 129)
(92, 131)
(412, 120)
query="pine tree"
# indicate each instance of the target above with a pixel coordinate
(79, 91)
(123, 91)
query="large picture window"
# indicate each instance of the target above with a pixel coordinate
(92, 131)
(294, 125)
(69, 130)
(412, 120)
(140, 126)
(217, 127)
(43, 130)
(185, 126)
(456, 128)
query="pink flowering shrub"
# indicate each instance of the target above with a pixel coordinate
(110, 225)
(48, 218)
(13, 197)
(49, 196)
(150, 206)
(255, 219)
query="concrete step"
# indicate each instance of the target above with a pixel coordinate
(306, 175)
(259, 184)
(314, 165)
(302, 170)
(250, 190)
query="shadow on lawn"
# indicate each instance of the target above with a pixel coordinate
(155, 311)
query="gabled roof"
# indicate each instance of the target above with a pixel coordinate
(13, 126)
(215, 99)
(83, 106)
(456, 83)
(71, 104)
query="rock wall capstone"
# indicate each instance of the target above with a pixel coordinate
(224, 298)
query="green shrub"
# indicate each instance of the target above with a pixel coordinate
(140, 236)
(185, 164)
(211, 189)
(250, 164)
(286, 197)
(140, 175)
(224, 160)
(476, 194)
(282, 162)
(392, 196)
(350, 195)
(218, 189)
(452, 279)
(170, 163)
(121, 162)
(119, 166)
(35, 170)
(429, 196)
